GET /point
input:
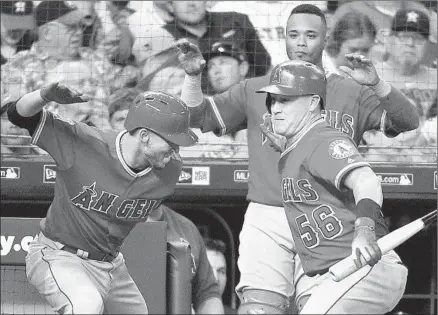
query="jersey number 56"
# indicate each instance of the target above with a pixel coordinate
(327, 224)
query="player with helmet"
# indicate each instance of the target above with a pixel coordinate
(331, 195)
(361, 102)
(107, 181)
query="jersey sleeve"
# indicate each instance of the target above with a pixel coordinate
(376, 116)
(204, 284)
(226, 112)
(58, 136)
(333, 159)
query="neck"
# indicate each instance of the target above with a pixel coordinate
(132, 153)
(302, 128)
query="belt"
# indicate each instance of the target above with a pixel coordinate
(86, 255)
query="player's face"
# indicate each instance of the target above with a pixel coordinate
(361, 46)
(408, 48)
(159, 151)
(305, 37)
(118, 119)
(188, 12)
(223, 73)
(288, 113)
(219, 266)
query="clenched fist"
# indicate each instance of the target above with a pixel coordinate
(191, 58)
(61, 94)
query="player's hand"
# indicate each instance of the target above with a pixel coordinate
(190, 57)
(61, 94)
(276, 141)
(361, 70)
(364, 247)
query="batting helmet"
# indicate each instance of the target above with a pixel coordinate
(164, 114)
(296, 77)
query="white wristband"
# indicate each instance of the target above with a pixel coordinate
(191, 90)
(382, 88)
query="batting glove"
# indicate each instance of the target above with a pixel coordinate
(364, 247)
(61, 94)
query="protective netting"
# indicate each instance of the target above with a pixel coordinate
(18, 296)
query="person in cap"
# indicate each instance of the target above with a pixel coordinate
(58, 56)
(107, 181)
(406, 47)
(332, 197)
(118, 106)
(16, 25)
(226, 65)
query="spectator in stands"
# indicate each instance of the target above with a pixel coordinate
(206, 296)
(17, 23)
(403, 69)
(382, 13)
(269, 18)
(352, 33)
(58, 56)
(117, 39)
(226, 65)
(15, 140)
(190, 19)
(118, 106)
(216, 250)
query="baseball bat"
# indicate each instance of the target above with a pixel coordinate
(346, 267)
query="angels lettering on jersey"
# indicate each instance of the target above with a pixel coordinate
(89, 199)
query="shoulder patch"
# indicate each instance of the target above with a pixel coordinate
(341, 149)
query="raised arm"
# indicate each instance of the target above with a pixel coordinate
(402, 115)
(32, 103)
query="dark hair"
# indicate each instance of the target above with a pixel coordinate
(309, 9)
(215, 245)
(350, 25)
(121, 100)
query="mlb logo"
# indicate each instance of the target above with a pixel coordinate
(10, 172)
(49, 176)
(241, 176)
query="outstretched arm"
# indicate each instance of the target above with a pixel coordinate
(32, 103)
(402, 115)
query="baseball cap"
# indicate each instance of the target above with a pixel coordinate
(17, 15)
(65, 12)
(224, 48)
(411, 20)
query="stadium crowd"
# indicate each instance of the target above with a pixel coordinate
(112, 50)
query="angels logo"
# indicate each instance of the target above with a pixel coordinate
(341, 149)
(276, 77)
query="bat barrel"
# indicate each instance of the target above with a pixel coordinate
(429, 218)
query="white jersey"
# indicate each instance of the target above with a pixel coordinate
(269, 18)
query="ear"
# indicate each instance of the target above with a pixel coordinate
(314, 103)
(44, 32)
(243, 69)
(326, 40)
(145, 135)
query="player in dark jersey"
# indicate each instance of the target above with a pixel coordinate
(107, 181)
(331, 195)
(266, 250)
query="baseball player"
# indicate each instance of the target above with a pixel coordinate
(107, 181)
(331, 195)
(266, 250)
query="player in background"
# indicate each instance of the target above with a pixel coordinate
(331, 195)
(107, 181)
(266, 251)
